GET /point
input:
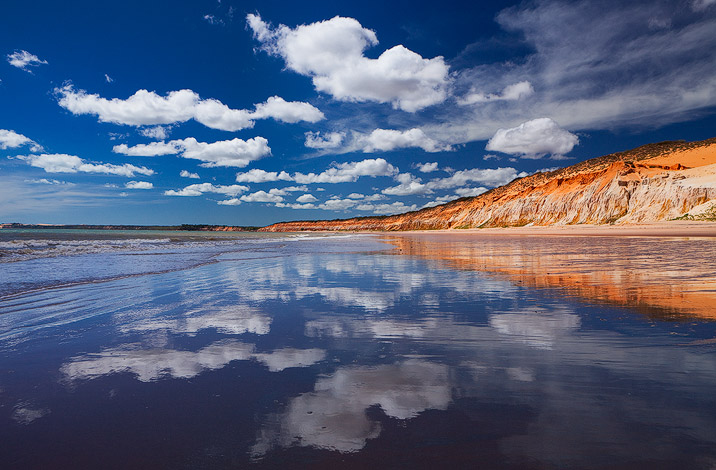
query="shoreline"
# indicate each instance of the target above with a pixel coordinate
(663, 229)
(677, 228)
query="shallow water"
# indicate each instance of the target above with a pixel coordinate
(346, 353)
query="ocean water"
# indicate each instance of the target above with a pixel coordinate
(156, 350)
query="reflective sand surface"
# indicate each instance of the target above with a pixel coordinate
(456, 352)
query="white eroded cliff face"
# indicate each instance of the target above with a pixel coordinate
(618, 195)
(653, 183)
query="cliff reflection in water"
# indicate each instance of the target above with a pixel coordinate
(444, 356)
(657, 275)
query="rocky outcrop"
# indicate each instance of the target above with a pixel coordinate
(652, 183)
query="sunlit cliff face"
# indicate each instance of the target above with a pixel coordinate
(662, 276)
(648, 184)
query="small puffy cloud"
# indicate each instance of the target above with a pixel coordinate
(386, 209)
(11, 139)
(139, 185)
(409, 185)
(389, 139)
(213, 20)
(156, 132)
(187, 174)
(296, 205)
(316, 140)
(490, 177)
(230, 202)
(512, 92)
(147, 108)
(337, 204)
(62, 163)
(262, 196)
(427, 167)
(331, 52)
(257, 175)
(201, 188)
(348, 172)
(533, 139)
(306, 198)
(24, 60)
(467, 192)
(151, 149)
(291, 112)
(440, 200)
(228, 153)
(297, 188)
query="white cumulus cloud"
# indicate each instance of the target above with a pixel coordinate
(387, 209)
(427, 167)
(331, 52)
(533, 139)
(389, 139)
(257, 175)
(139, 185)
(348, 172)
(201, 188)
(306, 198)
(262, 196)
(187, 174)
(11, 139)
(63, 163)
(147, 108)
(409, 185)
(491, 177)
(156, 132)
(228, 153)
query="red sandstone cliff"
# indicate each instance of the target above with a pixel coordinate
(652, 183)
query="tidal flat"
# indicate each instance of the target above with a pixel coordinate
(416, 350)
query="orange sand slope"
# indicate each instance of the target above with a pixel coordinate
(653, 183)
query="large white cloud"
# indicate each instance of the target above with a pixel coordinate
(63, 163)
(11, 139)
(147, 108)
(24, 60)
(229, 153)
(201, 188)
(533, 139)
(331, 52)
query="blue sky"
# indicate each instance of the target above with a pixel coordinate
(248, 113)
